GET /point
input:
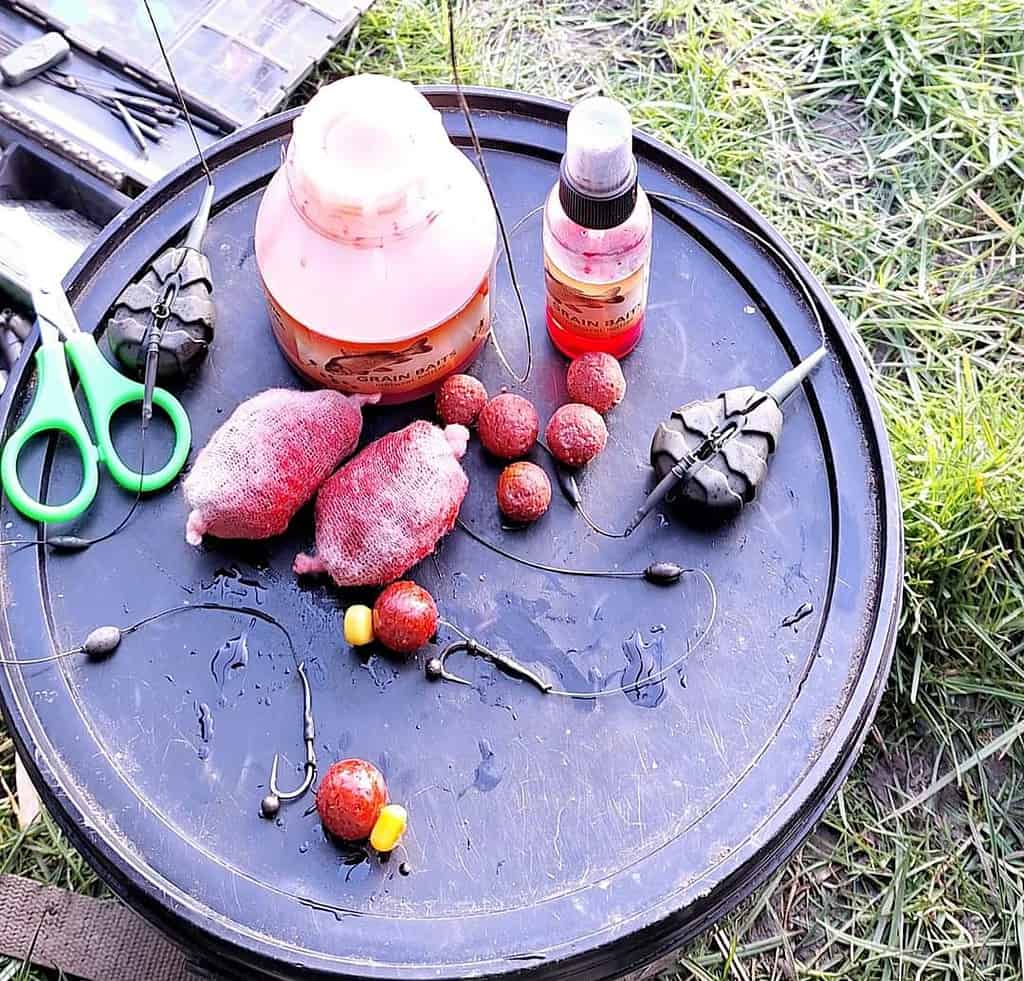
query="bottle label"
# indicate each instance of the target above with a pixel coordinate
(596, 309)
(398, 371)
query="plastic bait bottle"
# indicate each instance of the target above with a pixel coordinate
(597, 236)
(376, 242)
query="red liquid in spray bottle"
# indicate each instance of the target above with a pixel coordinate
(597, 236)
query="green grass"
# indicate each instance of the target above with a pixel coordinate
(884, 138)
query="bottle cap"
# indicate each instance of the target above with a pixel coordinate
(367, 158)
(599, 174)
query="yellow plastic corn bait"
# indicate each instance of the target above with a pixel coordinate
(359, 625)
(390, 827)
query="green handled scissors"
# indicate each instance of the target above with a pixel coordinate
(54, 409)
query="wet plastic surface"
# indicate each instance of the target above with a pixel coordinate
(548, 838)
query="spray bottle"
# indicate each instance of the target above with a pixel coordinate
(597, 236)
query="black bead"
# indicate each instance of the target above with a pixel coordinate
(269, 806)
(434, 668)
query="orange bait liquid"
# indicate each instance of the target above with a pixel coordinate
(597, 236)
(584, 316)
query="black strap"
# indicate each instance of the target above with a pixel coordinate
(92, 939)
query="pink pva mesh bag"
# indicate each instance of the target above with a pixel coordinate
(267, 460)
(388, 507)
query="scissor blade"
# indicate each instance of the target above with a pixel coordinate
(53, 310)
(14, 278)
(47, 301)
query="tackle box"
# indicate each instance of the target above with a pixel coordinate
(68, 164)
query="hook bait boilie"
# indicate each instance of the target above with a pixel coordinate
(404, 618)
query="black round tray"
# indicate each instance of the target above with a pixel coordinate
(548, 838)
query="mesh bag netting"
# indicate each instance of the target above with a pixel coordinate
(388, 507)
(267, 460)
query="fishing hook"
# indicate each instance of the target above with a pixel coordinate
(271, 804)
(436, 668)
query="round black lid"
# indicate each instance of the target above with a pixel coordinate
(548, 838)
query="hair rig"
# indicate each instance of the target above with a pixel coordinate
(437, 670)
(405, 618)
(103, 641)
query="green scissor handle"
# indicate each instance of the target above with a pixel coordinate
(106, 391)
(53, 409)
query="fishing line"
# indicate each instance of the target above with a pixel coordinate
(770, 246)
(714, 213)
(103, 641)
(571, 491)
(177, 90)
(658, 573)
(714, 443)
(71, 543)
(522, 221)
(667, 669)
(506, 245)
(592, 524)
(116, 634)
(475, 648)
(75, 543)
